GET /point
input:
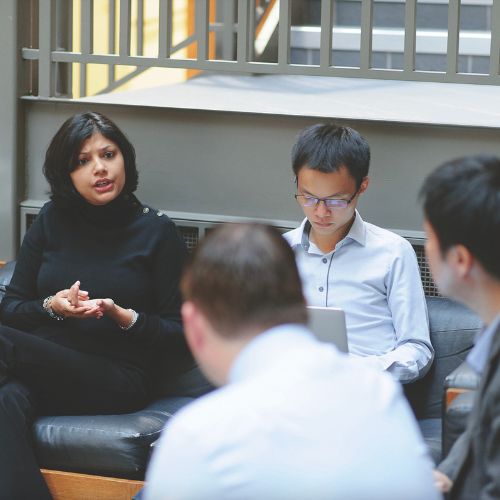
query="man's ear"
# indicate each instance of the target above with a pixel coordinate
(364, 185)
(461, 259)
(194, 330)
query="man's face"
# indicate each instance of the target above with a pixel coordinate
(326, 221)
(441, 270)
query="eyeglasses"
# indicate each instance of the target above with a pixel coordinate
(330, 203)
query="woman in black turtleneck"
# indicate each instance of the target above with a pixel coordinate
(92, 311)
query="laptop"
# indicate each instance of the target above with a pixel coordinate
(328, 325)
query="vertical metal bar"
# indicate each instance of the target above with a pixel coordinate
(495, 39)
(366, 34)
(242, 43)
(410, 35)
(284, 33)
(251, 31)
(453, 37)
(140, 27)
(87, 26)
(228, 30)
(86, 36)
(165, 29)
(325, 51)
(63, 31)
(111, 39)
(201, 24)
(125, 27)
(46, 19)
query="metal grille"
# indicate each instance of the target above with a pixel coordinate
(430, 288)
(191, 236)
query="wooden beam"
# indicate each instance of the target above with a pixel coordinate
(73, 486)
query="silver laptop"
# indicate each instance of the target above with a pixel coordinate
(328, 325)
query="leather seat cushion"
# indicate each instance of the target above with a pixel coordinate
(107, 445)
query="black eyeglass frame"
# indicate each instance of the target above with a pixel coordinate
(326, 200)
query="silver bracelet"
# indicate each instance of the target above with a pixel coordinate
(49, 310)
(132, 322)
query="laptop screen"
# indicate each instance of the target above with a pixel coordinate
(328, 325)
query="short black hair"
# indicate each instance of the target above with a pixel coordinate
(461, 201)
(62, 154)
(244, 276)
(328, 148)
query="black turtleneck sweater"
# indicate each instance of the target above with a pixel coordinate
(125, 251)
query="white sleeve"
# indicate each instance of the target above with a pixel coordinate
(413, 352)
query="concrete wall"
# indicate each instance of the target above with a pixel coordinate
(238, 164)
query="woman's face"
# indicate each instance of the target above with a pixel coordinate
(100, 173)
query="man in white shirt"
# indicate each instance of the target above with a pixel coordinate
(295, 419)
(462, 220)
(369, 272)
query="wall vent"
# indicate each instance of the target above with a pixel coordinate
(193, 227)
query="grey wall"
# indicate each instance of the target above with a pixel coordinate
(238, 164)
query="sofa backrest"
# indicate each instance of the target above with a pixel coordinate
(453, 328)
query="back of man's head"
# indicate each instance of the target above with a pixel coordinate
(461, 200)
(244, 277)
(329, 147)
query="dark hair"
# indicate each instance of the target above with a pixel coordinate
(329, 147)
(61, 157)
(244, 276)
(461, 201)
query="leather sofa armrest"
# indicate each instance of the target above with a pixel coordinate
(455, 418)
(460, 380)
(6, 272)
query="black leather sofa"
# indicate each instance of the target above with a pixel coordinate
(119, 445)
(105, 445)
(453, 328)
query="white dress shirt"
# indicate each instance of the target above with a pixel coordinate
(372, 274)
(297, 420)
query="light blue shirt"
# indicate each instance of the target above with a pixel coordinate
(480, 353)
(373, 275)
(297, 420)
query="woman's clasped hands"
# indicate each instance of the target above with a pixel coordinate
(75, 303)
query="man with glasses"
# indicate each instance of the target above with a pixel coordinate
(345, 262)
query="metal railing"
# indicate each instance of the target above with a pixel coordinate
(239, 25)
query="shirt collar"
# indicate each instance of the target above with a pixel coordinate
(266, 349)
(480, 353)
(356, 233)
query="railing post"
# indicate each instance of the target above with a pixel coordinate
(228, 30)
(11, 124)
(125, 27)
(410, 35)
(284, 33)
(242, 44)
(201, 22)
(46, 16)
(453, 37)
(495, 40)
(165, 29)
(366, 35)
(111, 39)
(87, 41)
(325, 54)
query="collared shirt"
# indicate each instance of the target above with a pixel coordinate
(297, 420)
(373, 275)
(479, 354)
